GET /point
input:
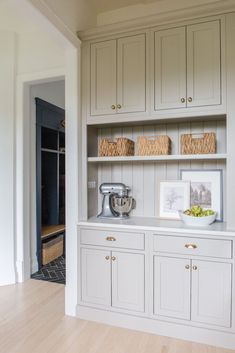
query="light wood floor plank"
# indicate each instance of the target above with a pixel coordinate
(32, 320)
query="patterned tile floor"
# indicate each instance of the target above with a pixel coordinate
(52, 272)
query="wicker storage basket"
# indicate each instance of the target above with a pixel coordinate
(154, 145)
(121, 147)
(202, 143)
(52, 249)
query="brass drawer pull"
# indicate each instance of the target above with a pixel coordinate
(113, 106)
(190, 99)
(194, 268)
(113, 258)
(111, 239)
(187, 267)
(183, 100)
(107, 257)
(190, 246)
(119, 106)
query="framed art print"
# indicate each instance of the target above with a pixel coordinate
(206, 189)
(174, 197)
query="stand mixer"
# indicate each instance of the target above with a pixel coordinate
(116, 202)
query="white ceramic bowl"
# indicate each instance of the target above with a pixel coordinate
(197, 221)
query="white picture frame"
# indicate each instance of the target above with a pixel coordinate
(210, 183)
(174, 196)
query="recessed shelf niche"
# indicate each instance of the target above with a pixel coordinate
(143, 174)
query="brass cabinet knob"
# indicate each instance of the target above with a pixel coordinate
(107, 257)
(190, 246)
(187, 267)
(111, 239)
(182, 100)
(190, 99)
(194, 268)
(113, 106)
(119, 106)
(113, 258)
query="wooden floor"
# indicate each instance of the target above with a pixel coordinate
(32, 321)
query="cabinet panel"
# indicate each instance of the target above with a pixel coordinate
(211, 293)
(96, 276)
(203, 64)
(172, 287)
(131, 76)
(128, 281)
(116, 239)
(193, 246)
(103, 77)
(170, 69)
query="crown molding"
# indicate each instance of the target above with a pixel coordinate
(216, 8)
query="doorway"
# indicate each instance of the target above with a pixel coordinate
(50, 192)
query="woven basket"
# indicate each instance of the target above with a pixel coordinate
(154, 145)
(121, 147)
(52, 249)
(202, 143)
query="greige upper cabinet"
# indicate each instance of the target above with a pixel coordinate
(170, 69)
(103, 77)
(118, 76)
(187, 66)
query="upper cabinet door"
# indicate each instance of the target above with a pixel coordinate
(128, 281)
(103, 78)
(96, 276)
(211, 293)
(131, 75)
(170, 69)
(172, 287)
(203, 64)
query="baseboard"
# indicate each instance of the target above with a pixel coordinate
(23, 270)
(193, 334)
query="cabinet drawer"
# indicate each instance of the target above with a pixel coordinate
(193, 246)
(111, 238)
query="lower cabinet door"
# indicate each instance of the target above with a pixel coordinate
(172, 287)
(128, 281)
(211, 293)
(96, 276)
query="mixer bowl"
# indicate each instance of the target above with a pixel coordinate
(122, 205)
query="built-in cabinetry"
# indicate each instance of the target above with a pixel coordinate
(158, 72)
(50, 160)
(191, 288)
(146, 273)
(111, 277)
(162, 276)
(118, 76)
(187, 66)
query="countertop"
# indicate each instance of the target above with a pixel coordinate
(159, 225)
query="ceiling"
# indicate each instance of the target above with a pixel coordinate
(108, 5)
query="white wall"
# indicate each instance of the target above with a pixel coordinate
(7, 158)
(25, 50)
(38, 52)
(35, 49)
(52, 92)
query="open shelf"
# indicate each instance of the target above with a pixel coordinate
(178, 157)
(48, 231)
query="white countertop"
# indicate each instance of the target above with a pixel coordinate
(159, 225)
